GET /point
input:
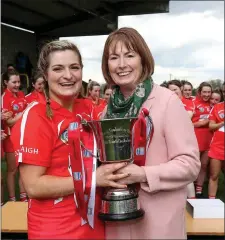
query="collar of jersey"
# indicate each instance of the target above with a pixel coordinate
(199, 100)
(57, 107)
(7, 91)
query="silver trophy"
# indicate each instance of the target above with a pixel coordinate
(114, 142)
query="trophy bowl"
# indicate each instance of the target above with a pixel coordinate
(114, 140)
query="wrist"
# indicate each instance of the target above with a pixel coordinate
(143, 178)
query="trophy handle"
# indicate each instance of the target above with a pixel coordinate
(91, 126)
(87, 149)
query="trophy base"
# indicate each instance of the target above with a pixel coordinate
(121, 217)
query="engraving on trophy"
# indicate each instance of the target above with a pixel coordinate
(117, 139)
(120, 207)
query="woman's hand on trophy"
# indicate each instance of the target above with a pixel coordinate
(136, 174)
(106, 175)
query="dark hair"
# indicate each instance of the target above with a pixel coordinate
(218, 91)
(107, 86)
(203, 84)
(81, 93)
(164, 84)
(175, 82)
(10, 65)
(6, 77)
(36, 75)
(188, 83)
(133, 41)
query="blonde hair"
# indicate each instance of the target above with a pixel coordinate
(133, 41)
(91, 85)
(43, 64)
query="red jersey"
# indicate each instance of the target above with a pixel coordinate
(203, 134)
(34, 97)
(15, 104)
(201, 111)
(45, 143)
(98, 108)
(216, 150)
(188, 104)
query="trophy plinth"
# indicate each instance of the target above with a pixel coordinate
(120, 205)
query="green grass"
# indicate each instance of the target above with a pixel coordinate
(220, 192)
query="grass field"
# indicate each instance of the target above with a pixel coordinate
(220, 193)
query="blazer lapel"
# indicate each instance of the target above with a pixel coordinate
(151, 99)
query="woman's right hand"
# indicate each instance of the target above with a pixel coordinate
(105, 176)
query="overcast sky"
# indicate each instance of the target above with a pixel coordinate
(187, 42)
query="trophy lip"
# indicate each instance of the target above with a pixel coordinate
(112, 119)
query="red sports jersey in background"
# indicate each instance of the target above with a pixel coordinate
(188, 104)
(15, 104)
(216, 150)
(97, 108)
(34, 97)
(203, 134)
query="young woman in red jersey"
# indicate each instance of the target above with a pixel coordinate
(12, 100)
(93, 93)
(45, 159)
(216, 97)
(216, 151)
(204, 135)
(38, 85)
(187, 91)
(176, 86)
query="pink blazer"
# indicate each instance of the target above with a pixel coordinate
(172, 163)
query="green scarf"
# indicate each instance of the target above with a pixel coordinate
(118, 107)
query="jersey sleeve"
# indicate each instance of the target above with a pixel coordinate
(212, 114)
(33, 138)
(5, 102)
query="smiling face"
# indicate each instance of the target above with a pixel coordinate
(215, 98)
(64, 75)
(39, 85)
(205, 93)
(187, 91)
(13, 84)
(124, 66)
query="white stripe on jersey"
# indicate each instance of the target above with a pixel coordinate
(23, 125)
(221, 129)
(59, 126)
(28, 95)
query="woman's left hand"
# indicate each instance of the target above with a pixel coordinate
(6, 115)
(136, 174)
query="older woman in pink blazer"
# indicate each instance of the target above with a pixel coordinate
(172, 159)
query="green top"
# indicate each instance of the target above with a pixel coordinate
(118, 107)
